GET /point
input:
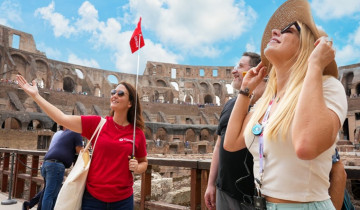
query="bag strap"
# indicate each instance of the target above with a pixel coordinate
(97, 132)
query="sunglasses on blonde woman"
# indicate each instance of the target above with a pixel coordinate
(120, 93)
(286, 29)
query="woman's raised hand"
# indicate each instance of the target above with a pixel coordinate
(254, 76)
(31, 90)
(323, 53)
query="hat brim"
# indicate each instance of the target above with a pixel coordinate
(288, 12)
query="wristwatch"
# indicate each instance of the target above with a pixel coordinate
(245, 92)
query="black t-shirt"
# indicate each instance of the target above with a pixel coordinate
(65, 148)
(232, 164)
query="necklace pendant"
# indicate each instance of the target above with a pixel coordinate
(257, 129)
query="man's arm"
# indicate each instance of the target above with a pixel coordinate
(210, 193)
(337, 184)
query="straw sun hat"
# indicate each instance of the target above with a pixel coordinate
(288, 12)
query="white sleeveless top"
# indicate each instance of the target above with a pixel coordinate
(290, 178)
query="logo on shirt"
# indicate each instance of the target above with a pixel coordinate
(126, 139)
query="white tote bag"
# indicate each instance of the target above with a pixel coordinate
(71, 193)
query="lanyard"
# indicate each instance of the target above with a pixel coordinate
(261, 140)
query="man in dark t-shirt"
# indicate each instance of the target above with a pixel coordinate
(59, 157)
(228, 167)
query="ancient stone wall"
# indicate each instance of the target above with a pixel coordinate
(165, 93)
(350, 78)
(181, 103)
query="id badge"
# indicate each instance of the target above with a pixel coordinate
(259, 203)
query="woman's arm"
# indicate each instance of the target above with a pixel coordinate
(315, 126)
(234, 138)
(72, 122)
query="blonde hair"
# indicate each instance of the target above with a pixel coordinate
(281, 119)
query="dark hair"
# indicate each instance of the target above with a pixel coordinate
(254, 58)
(131, 112)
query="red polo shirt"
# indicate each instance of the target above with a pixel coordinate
(109, 178)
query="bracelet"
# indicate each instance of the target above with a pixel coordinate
(245, 92)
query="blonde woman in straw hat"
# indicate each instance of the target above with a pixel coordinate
(292, 130)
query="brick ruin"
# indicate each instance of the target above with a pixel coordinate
(181, 103)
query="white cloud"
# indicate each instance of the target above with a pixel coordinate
(357, 36)
(59, 23)
(50, 52)
(195, 26)
(89, 17)
(348, 54)
(3, 21)
(330, 9)
(84, 62)
(107, 35)
(10, 12)
(250, 47)
(127, 62)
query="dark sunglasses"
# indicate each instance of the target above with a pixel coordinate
(120, 93)
(284, 30)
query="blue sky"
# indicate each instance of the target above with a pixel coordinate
(96, 33)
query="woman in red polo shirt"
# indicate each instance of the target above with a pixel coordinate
(109, 183)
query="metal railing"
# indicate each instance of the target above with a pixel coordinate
(29, 172)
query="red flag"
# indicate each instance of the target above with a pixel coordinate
(134, 41)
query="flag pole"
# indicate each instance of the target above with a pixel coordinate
(136, 96)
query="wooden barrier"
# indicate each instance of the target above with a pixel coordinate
(28, 172)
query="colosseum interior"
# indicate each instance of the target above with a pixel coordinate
(181, 103)
(165, 89)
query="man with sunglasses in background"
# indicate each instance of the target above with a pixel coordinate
(227, 167)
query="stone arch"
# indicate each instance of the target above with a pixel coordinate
(169, 97)
(35, 125)
(357, 89)
(190, 135)
(97, 91)
(68, 84)
(42, 72)
(148, 133)
(189, 120)
(208, 99)
(217, 100)
(113, 79)
(357, 135)
(161, 134)
(348, 82)
(204, 87)
(175, 85)
(160, 83)
(218, 89)
(79, 73)
(40, 82)
(155, 96)
(11, 123)
(345, 130)
(20, 65)
(188, 99)
(204, 135)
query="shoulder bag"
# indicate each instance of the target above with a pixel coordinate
(71, 193)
